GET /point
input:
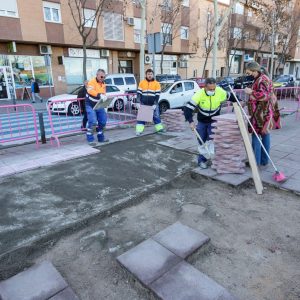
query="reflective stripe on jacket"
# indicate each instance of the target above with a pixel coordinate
(148, 92)
(94, 89)
(208, 106)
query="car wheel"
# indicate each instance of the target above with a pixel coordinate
(119, 104)
(74, 109)
(163, 106)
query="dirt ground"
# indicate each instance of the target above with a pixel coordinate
(254, 250)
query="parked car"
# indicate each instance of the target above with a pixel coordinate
(125, 82)
(175, 95)
(73, 107)
(284, 81)
(200, 81)
(242, 82)
(167, 78)
(225, 82)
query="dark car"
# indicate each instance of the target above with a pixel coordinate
(167, 78)
(243, 82)
(283, 85)
(225, 82)
(200, 81)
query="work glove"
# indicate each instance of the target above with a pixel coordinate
(154, 107)
(102, 97)
(138, 105)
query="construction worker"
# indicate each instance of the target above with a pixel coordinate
(96, 91)
(207, 101)
(148, 94)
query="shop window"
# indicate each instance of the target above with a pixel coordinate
(22, 70)
(8, 8)
(113, 26)
(41, 72)
(52, 12)
(125, 66)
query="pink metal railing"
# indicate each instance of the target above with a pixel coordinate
(66, 123)
(18, 122)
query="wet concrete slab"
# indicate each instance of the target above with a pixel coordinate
(40, 282)
(148, 261)
(185, 282)
(47, 200)
(181, 239)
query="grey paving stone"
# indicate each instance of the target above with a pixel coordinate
(66, 294)
(205, 172)
(181, 239)
(148, 261)
(184, 282)
(233, 179)
(39, 282)
(292, 184)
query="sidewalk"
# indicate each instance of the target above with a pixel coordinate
(285, 144)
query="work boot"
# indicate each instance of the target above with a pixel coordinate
(93, 144)
(102, 138)
(202, 165)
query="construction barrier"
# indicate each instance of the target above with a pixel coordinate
(69, 115)
(18, 122)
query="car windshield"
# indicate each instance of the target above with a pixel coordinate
(76, 91)
(165, 87)
(282, 79)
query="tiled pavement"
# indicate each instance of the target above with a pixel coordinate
(285, 145)
(40, 282)
(159, 264)
(27, 157)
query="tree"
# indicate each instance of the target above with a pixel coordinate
(220, 22)
(87, 23)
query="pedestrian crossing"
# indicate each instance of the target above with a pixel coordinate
(19, 124)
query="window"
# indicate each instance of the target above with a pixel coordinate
(129, 80)
(166, 30)
(184, 33)
(52, 12)
(237, 33)
(8, 8)
(111, 89)
(249, 13)
(177, 88)
(166, 4)
(41, 73)
(239, 9)
(189, 86)
(119, 81)
(89, 18)
(113, 26)
(185, 3)
(108, 81)
(125, 66)
(137, 30)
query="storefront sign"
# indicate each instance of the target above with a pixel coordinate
(77, 52)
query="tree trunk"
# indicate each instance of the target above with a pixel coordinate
(162, 61)
(204, 66)
(84, 61)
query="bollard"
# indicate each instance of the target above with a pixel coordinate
(42, 127)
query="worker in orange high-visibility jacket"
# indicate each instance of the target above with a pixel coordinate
(148, 94)
(96, 91)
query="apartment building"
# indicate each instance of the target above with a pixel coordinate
(39, 39)
(250, 40)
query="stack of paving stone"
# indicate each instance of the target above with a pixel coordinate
(230, 154)
(174, 120)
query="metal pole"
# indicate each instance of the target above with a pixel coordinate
(142, 48)
(153, 63)
(216, 38)
(42, 127)
(272, 44)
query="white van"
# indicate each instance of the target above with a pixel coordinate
(125, 82)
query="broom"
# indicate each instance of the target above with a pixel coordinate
(278, 176)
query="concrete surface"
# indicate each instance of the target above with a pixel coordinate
(66, 294)
(181, 239)
(185, 282)
(285, 143)
(50, 199)
(148, 261)
(41, 282)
